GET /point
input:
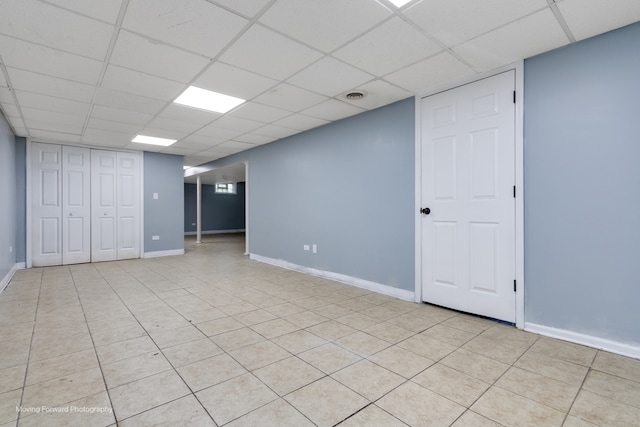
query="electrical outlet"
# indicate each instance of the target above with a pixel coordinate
(193, 223)
(155, 237)
(305, 247)
(10, 249)
(315, 248)
(155, 196)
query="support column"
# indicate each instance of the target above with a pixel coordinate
(199, 211)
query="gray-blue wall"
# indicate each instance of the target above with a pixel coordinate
(164, 217)
(582, 187)
(8, 198)
(220, 212)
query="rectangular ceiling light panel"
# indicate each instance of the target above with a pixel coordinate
(143, 139)
(207, 100)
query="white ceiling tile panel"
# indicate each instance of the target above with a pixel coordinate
(290, 98)
(300, 122)
(195, 25)
(51, 126)
(6, 97)
(16, 122)
(51, 86)
(193, 146)
(249, 8)
(184, 128)
(50, 103)
(431, 72)
(188, 114)
(118, 127)
(234, 81)
(10, 110)
(151, 57)
(44, 60)
(231, 147)
(144, 147)
(237, 124)
(266, 52)
(116, 115)
(521, 39)
(48, 25)
(3, 81)
(161, 133)
(47, 136)
(330, 77)
(177, 151)
(218, 133)
(33, 114)
(587, 18)
(389, 47)
(128, 101)
(22, 130)
(138, 83)
(332, 110)
(253, 138)
(204, 141)
(456, 21)
(379, 93)
(259, 112)
(105, 138)
(326, 24)
(276, 131)
(104, 10)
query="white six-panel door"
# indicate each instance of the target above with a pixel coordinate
(103, 206)
(76, 205)
(128, 204)
(468, 177)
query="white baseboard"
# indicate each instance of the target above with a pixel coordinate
(342, 278)
(163, 253)
(623, 349)
(7, 278)
(194, 233)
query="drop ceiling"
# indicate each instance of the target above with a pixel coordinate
(99, 72)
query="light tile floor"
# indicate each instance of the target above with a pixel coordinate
(212, 338)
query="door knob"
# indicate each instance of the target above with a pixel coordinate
(70, 213)
(425, 211)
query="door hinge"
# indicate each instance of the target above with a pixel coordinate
(514, 286)
(514, 191)
(514, 96)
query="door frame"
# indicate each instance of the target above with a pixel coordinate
(518, 67)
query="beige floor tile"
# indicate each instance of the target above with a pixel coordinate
(572, 421)
(500, 332)
(9, 401)
(602, 411)
(275, 328)
(139, 396)
(61, 366)
(332, 330)
(183, 412)
(389, 332)
(450, 335)
(211, 371)
(257, 355)
(235, 398)
(362, 343)
(236, 339)
(59, 345)
(417, 406)
(254, 317)
(471, 419)
(329, 357)
(277, 413)
(541, 389)
(551, 367)
(413, 322)
(237, 308)
(510, 409)
(566, 351)
(358, 321)
(613, 387)
(332, 311)
(65, 389)
(621, 366)
(201, 316)
(368, 379)
(184, 354)
(299, 341)
(288, 375)
(94, 410)
(402, 362)
(427, 347)
(372, 416)
(12, 378)
(305, 319)
(125, 349)
(220, 326)
(171, 337)
(134, 368)
(326, 402)
(452, 384)
(110, 336)
(284, 309)
(503, 351)
(469, 323)
(475, 365)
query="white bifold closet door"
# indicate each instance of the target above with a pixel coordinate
(115, 205)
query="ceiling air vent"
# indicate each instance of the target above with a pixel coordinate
(355, 95)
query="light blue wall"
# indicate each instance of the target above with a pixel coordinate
(220, 212)
(8, 198)
(582, 187)
(164, 217)
(347, 187)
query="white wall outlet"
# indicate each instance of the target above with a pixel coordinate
(155, 237)
(193, 223)
(155, 196)
(10, 249)
(305, 247)
(315, 248)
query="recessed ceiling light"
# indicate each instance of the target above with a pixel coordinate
(399, 3)
(143, 139)
(207, 100)
(355, 95)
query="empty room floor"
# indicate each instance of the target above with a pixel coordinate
(212, 338)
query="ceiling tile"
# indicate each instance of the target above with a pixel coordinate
(259, 112)
(118, 127)
(177, 151)
(234, 81)
(332, 109)
(104, 10)
(330, 77)
(385, 48)
(379, 93)
(231, 147)
(138, 83)
(300, 122)
(519, 40)
(193, 146)
(188, 114)
(151, 57)
(51, 86)
(50, 126)
(218, 132)
(184, 128)
(105, 138)
(431, 72)
(456, 21)
(128, 101)
(268, 53)
(43, 60)
(276, 131)
(48, 25)
(587, 18)
(10, 110)
(248, 8)
(253, 138)
(204, 141)
(33, 114)
(3, 81)
(16, 121)
(116, 115)
(6, 97)
(161, 133)
(326, 24)
(290, 98)
(50, 103)
(185, 23)
(237, 124)
(47, 136)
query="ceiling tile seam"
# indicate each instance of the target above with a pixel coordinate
(75, 12)
(236, 12)
(5, 74)
(563, 23)
(103, 70)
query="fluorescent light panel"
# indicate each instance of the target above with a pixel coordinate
(143, 139)
(399, 3)
(207, 100)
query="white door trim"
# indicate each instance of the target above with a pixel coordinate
(519, 178)
(246, 208)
